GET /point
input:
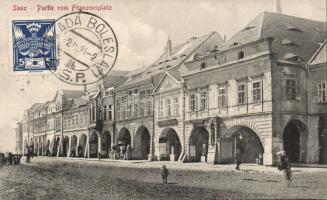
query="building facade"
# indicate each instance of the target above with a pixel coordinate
(266, 83)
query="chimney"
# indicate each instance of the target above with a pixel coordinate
(169, 47)
(278, 7)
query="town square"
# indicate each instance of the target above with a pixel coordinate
(237, 110)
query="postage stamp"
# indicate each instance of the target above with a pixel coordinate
(34, 45)
(87, 48)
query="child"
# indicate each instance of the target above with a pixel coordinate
(164, 174)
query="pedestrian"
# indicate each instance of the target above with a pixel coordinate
(283, 162)
(99, 155)
(164, 174)
(28, 157)
(239, 151)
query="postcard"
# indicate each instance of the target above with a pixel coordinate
(177, 99)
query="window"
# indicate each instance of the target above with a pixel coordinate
(109, 113)
(241, 55)
(135, 110)
(176, 106)
(73, 121)
(241, 93)
(58, 124)
(256, 92)
(322, 92)
(129, 111)
(290, 92)
(148, 107)
(124, 102)
(142, 110)
(161, 111)
(77, 120)
(168, 106)
(193, 103)
(222, 101)
(203, 99)
(104, 112)
(93, 112)
(118, 109)
(142, 94)
(81, 120)
(203, 65)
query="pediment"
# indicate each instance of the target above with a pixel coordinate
(167, 83)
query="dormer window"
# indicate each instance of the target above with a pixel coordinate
(288, 42)
(241, 55)
(248, 28)
(291, 56)
(235, 44)
(293, 28)
(203, 65)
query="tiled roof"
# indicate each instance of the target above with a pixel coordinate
(75, 103)
(80, 101)
(175, 74)
(70, 94)
(179, 54)
(292, 35)
(115, 78)
(35, 107)
(156, 78)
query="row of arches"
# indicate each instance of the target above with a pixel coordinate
(294, 136)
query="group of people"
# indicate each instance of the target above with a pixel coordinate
(9, 159)
(283, 162)
(121, 152)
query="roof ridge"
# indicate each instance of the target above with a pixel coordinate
(246, 25)
(292, 16)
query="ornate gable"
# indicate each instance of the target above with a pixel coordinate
(167, 82)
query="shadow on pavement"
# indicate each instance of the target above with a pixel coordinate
(250, 179)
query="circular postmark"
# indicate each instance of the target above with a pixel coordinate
(87, 48)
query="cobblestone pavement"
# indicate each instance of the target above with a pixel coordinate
(53, 178)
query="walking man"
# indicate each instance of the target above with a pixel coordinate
(164, 174)
(239, 151)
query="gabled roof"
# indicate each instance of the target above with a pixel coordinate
(178, 55)
(75, 103)
(70, 94)
(115, 78)
(320, 56)
(292, 35)
(35, 107)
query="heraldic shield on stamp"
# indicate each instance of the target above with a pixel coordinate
(34, 45)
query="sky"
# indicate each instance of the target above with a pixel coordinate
(142, 28)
